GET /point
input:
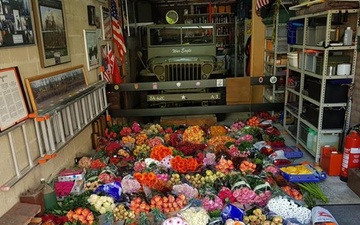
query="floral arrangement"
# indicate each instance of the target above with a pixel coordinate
(165, 169)
(102, 204)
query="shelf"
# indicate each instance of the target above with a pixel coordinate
(333, 48)
(294, 69)
(277, 52)
(289, 132)
(292, 90)
(224, 24)
(296, 46)
(289, 109)
(340, 104)
(212, 14)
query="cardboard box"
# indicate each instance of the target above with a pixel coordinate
(238, 90)
(71, 175)
(354, 180)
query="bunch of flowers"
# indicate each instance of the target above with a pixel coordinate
(212, 203)
(153, 129)
(214, 142)
(125, 131)
(136, 128)
(142, 151)
(155, 141)
(184, 165)
(188, 148)
(160, 151)
(242, 146)
(224, 165)
(97, 164)
(194, 134)
(139, 166)
(148, 179)
(130, 185)
(112, 148)
(217, 131)
(226, 195)
(237, 126)
(82, 215)
(209, 159)
(105, 177)
(102, 204)
(175, 138)
(141, 138)
(126, 140)
(163, 177)
(186, 190)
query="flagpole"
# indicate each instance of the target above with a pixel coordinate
(127, 17)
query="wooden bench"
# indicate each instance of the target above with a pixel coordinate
(20, 214)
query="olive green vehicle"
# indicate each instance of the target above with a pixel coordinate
(177, 54)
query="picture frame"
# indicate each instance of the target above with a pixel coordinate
(105, 19)
(91, 15)
(51, 32)
(16, 26)
(13, 105)
(91, 49)
(48, 90)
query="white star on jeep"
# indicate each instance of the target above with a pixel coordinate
(183, 97)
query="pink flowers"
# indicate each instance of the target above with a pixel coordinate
(155, 142)
(212, 203)
(247, 196)
(139, 166)
(136, 128)
(130, 185)
(125, 131)
(209, 159)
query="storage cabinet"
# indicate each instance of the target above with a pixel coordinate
(316, 93)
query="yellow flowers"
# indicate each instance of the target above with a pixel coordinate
(300, 169)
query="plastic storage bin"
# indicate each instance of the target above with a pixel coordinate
(293, 59)
(333, 118)
(336, 91)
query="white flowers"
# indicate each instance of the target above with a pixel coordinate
(102, 204)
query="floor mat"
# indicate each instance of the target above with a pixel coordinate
(345, 214)
(338, 192)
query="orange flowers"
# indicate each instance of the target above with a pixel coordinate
(148, 179)
(184, 165)
(160, 151)
(194, 134)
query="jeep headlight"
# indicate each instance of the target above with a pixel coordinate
(220, 64)
(159, 70)
(207, 68)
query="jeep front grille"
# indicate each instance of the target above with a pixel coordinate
(182, 72)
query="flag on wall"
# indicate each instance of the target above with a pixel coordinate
(260, 4)
(112, 67)
(107, 68)
(118, 36)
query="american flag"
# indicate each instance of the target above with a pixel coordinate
(107, 70)
(117, 31)
(260, 4)
(112, 72)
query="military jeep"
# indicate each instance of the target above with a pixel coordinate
(179, 53)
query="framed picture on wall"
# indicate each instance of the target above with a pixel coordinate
(91, 48)
(13, 107)
(105, 19)
(46, 91)
(16, 24)
(51, 32)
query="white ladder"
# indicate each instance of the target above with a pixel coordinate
(54, 128)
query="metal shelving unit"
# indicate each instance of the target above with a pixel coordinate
(275, 58)
(301, 121)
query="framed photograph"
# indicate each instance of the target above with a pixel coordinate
(13, 107)
(16, 24)
(91, 15)
(51, 32)
(46, 91)
(91, 49)
(105, 19)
